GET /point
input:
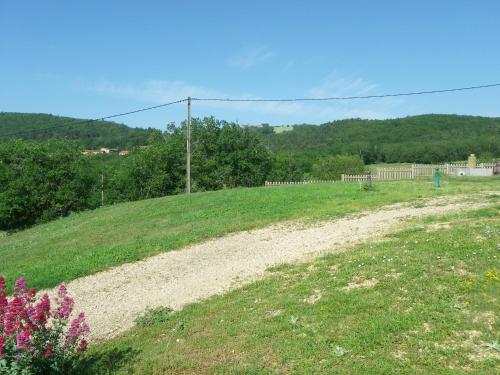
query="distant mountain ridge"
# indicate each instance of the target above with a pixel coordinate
(92, 134)
(424, 138)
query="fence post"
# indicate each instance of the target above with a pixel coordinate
(369, 180)
(342, 177)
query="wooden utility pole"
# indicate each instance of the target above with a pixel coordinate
(102, 189)
(188, 147)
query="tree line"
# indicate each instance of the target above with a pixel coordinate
(41, 180)
(415, 139)
(91, 134)
(44, 180)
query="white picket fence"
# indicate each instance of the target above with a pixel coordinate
(288, 183)
(412, 172)
(422, 171)
(391, 173)
(356, 178)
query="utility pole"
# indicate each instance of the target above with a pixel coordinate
(102, 189)
(188, 147)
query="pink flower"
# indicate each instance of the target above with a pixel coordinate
(82, 345)
(20, 286)
(48, 351)
(3, 286)
(24, 324)
(2, 344)
(65, 303)
(62, 291)
(23, 340)
(77, 329)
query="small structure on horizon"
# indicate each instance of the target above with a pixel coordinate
(472, 161)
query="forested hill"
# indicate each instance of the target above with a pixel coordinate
(425, 139)
(92, 134)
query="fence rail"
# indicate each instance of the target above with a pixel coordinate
(422, 170)
(287, 183)
(356, 177)
(391, 173)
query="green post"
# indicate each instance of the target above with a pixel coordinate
(437, 178)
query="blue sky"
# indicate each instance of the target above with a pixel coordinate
(95, 58)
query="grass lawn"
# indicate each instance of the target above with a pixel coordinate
(424, 301)
(91, 241)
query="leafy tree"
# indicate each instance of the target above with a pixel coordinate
(42, 181)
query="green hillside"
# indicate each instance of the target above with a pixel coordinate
(424, 139)
(430, 309)
(92, 134)
(91, 241)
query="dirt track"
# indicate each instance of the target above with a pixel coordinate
(113, 299)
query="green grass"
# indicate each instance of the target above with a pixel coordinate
(432, 309)
(91, 241)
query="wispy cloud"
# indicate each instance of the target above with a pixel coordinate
(251, 56)
(335, 86)
(159, 91)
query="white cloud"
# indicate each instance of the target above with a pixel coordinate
(158, 92)
(334, 87)
(251, 56)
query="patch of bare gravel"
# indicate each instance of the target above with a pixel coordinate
(113, 299)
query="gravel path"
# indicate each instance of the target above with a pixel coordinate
(114, 298)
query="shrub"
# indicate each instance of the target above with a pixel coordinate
(34, 337)
(331, 167)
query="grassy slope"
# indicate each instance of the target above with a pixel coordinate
(92, 241)
(432, 311)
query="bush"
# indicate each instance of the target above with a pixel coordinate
(332, 167)
(43, 181)
(33, 335)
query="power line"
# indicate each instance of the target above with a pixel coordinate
(79, 122)
(76, 122)
(350, 97)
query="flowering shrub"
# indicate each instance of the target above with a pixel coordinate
(34, 337)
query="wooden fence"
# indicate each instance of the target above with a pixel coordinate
(356, 177)
(412, 172)
(391, 173)
(287, 183)
(422, 171)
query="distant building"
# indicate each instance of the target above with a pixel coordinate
(91, 152)
(106, 151)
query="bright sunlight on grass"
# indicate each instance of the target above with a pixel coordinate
(424, 301)
(92, 241)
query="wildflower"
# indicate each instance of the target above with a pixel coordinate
(27, 340)
(3, 286)
(23, 340)
(65, 303)
(47, 353)
(77, 329)
(492, 275)
(62, 291)
(82, 345)
(20, 286)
